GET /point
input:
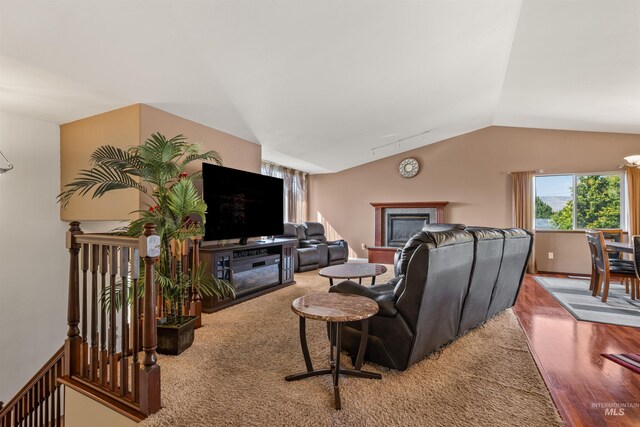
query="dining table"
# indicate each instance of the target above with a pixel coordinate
(620, 247)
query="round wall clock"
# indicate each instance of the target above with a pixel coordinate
(409, 167)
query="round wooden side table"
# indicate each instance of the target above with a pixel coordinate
(335, 309)
(353, 270)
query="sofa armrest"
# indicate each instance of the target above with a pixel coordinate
(386, 300)
(342, 243)
(396, 262)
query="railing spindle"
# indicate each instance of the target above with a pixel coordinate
(83, 323)
(135, 315)
(52, 399)
(113, 358)
(124, 336)
(30, 402)
(47, 383)
(104, 265)
(59, 400)
(40, 402)
(95, 260)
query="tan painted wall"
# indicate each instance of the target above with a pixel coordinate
(570, 252)
(469, 171)
(82, 411)
(78, 140)
(130, 126)
(236, 153)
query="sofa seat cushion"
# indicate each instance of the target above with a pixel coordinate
(337, 253)
(309, 242)
(308, 256)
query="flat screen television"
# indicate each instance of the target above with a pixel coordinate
(241, 204)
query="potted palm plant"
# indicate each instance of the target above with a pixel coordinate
(158, 169)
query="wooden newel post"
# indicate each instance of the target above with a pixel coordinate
(73, 343)
(150, 372)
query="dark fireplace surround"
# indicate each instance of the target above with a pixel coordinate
(399, 227)
(396, 222)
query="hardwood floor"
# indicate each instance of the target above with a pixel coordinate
(567, 352)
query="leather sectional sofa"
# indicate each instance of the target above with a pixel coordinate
(313, 250)
(448, 282)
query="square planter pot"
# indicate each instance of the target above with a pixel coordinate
(175, 338)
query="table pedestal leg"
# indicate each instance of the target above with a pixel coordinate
(336, 367)
(335, 338)
(363, 344)
(303, 344)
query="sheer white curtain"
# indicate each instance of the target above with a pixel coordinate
(295, 190)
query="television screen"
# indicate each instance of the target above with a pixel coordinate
(241, 204)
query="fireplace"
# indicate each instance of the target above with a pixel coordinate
(395, 224)
(401, 226)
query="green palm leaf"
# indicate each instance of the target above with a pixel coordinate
(102, 179)
(183, 200)
(212, 156)
(117, 158)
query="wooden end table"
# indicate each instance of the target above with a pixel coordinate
(335, 309)
(356, 270)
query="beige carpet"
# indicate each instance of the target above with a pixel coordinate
(233, 375)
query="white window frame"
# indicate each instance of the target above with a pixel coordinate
(575, 175)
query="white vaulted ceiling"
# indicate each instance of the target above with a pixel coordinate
(319, 84)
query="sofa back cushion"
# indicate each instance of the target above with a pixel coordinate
(436, 227)
(488, 249)
(300, 232)
(435, 284)
(315, 231)
(289, 230)
(409, 248)
(517, 248)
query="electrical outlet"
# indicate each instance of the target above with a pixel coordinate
(550, 255)
(364, 246)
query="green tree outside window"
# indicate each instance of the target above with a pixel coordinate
(597, 204)
(543, 210)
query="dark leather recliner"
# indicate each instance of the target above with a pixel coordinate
(448, 282)
(305, 257)
(432, 227)
(337, 250)
(312, 248)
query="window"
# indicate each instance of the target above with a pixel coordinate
(295, 190)
(579, 201)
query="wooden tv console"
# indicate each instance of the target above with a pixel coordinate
(253, 269)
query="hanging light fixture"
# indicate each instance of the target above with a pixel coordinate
(633, 160)
(9, 165)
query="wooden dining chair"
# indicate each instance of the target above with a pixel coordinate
(617, 257)
(605, 270)
(635, 243)
(595, 274)
(614, 235)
